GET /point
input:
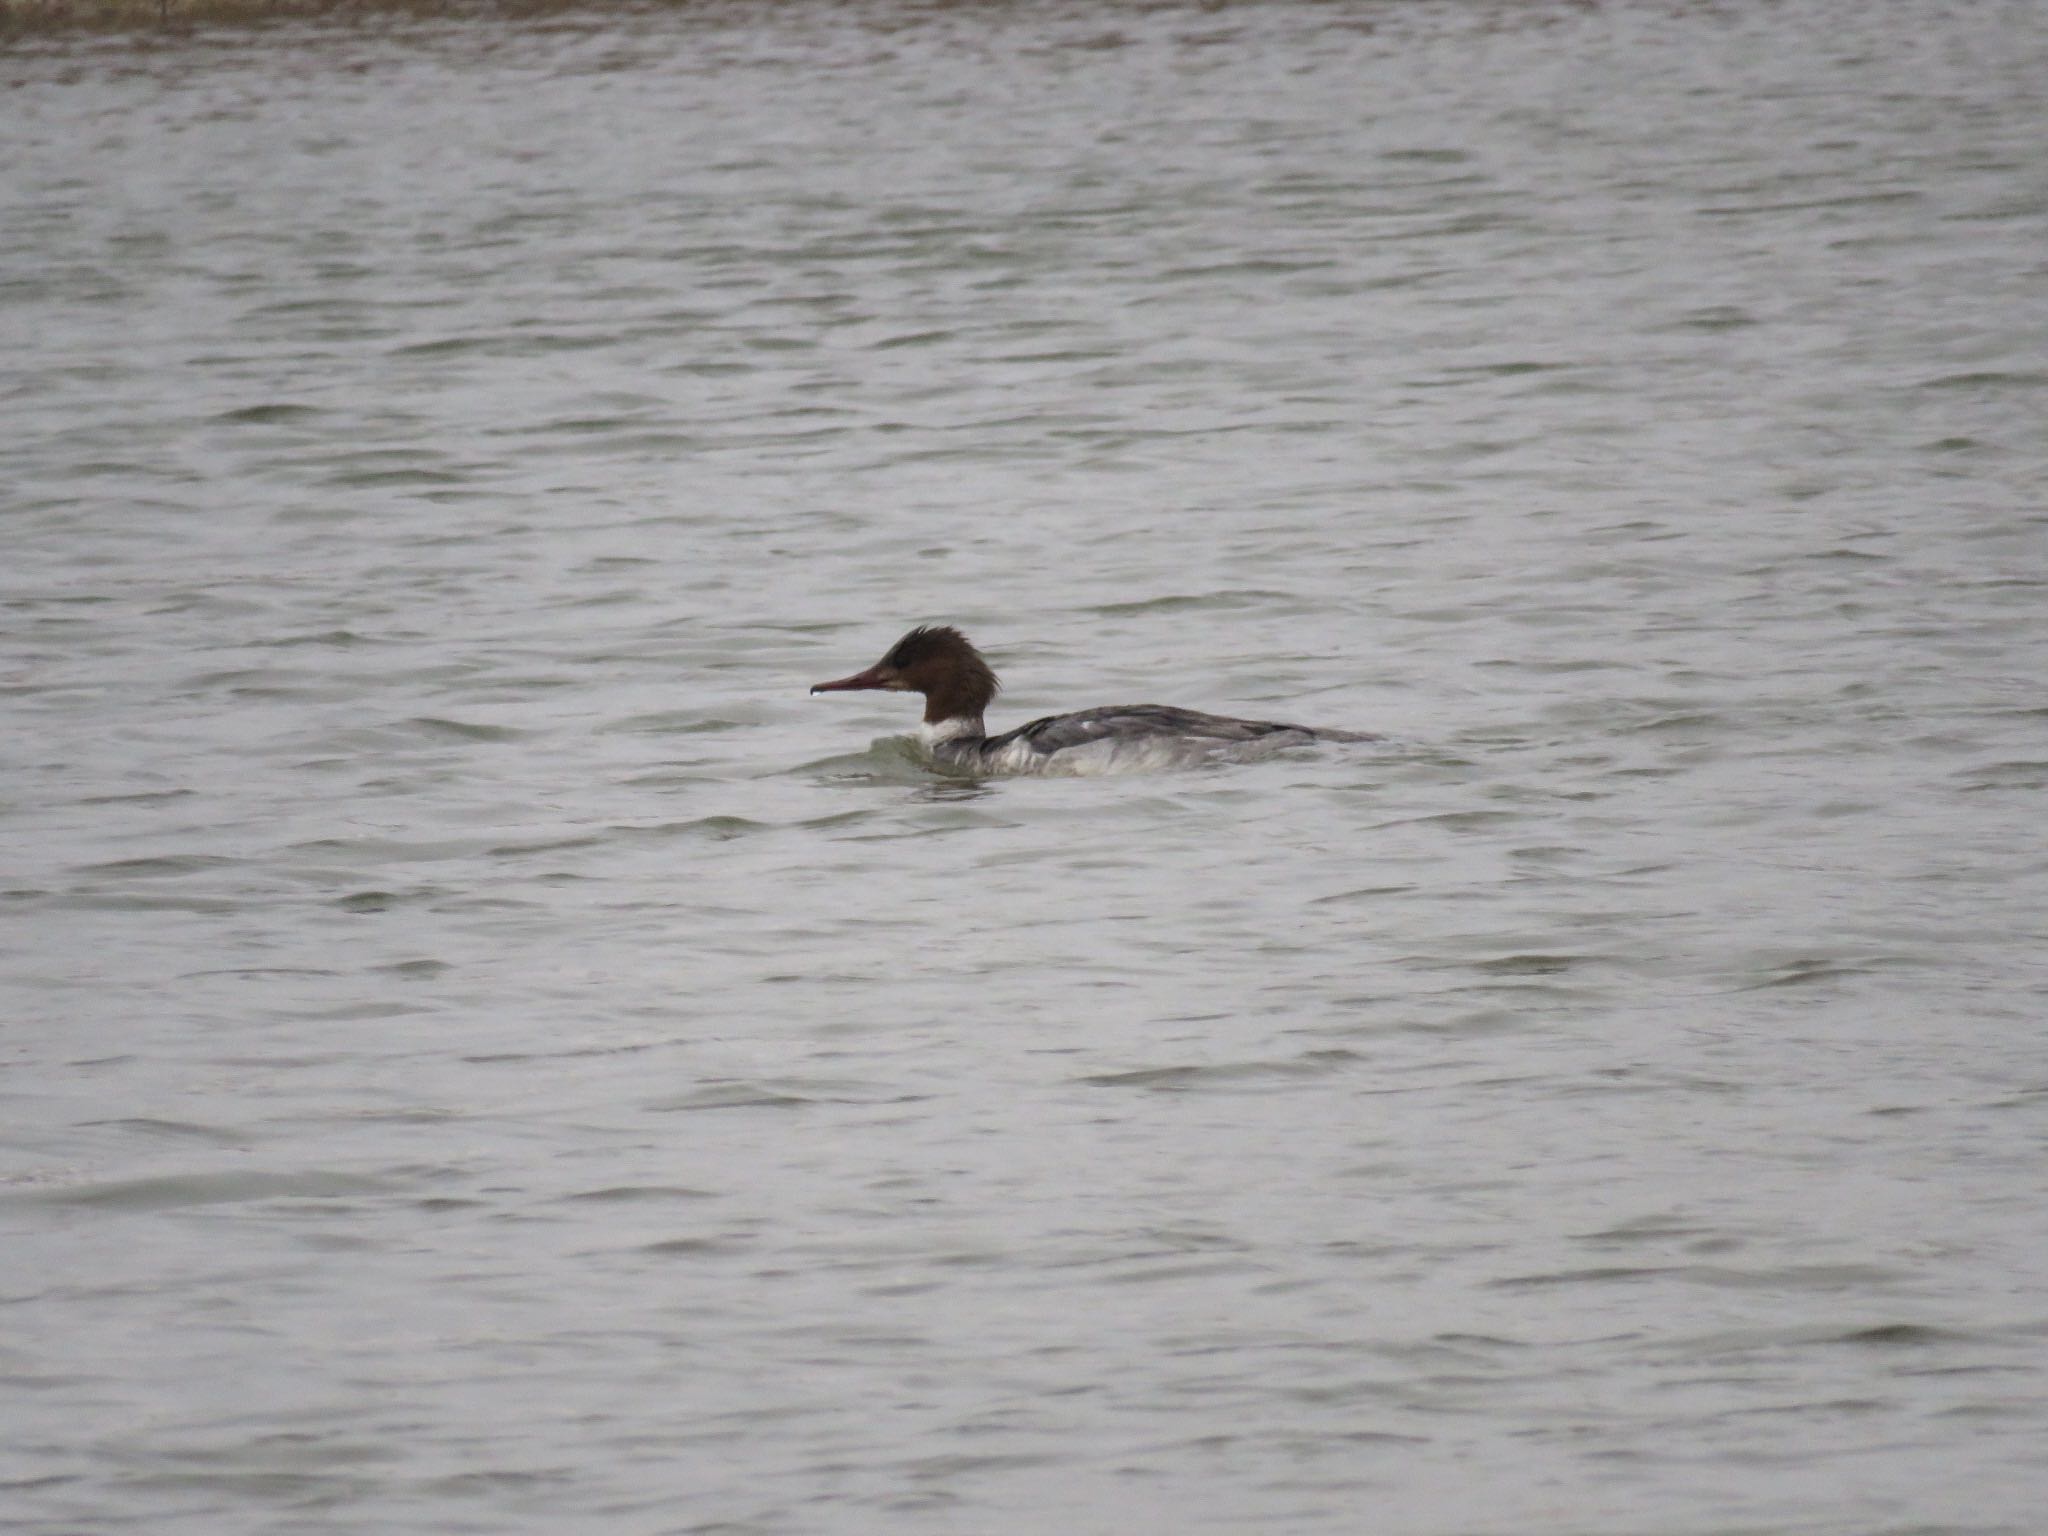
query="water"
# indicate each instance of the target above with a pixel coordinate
(486, 1052)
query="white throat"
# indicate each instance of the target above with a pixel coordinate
(932, 733)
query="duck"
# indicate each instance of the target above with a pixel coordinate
(958, 685)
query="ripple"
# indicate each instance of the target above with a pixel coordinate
(176, 1130)
(1987, 379)
(1222, 601)
(267, 415)
(635, 1193)
(733, 1096)
(1226, 1076)
(461, 730)
(176, 1191)
(717, 829)
(162, 866)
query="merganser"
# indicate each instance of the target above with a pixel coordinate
(957, 683)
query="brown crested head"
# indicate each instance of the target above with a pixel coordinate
(943, 665)
(936, 661)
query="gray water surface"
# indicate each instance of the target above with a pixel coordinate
(484, 1052)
